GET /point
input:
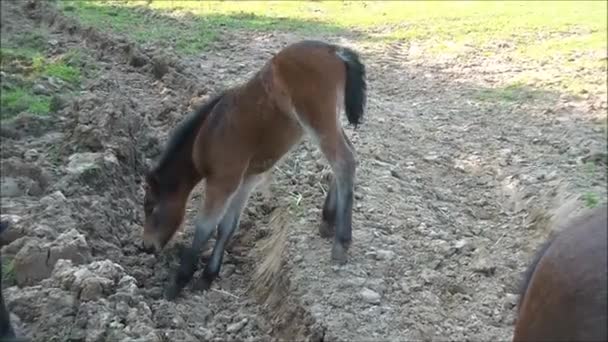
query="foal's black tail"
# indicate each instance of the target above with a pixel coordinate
(355, 97)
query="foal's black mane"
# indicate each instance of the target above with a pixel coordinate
(185, 132)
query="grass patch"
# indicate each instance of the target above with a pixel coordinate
(63, 72)
(567, 35)
(591, 199)
(15, 100)
(472, 23)
(189, 27)
(23, 61)
(516, 92)
(8, 272)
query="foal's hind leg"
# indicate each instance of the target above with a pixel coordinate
(337, 149)
(226, 229)
(218, 194)
(328, 217)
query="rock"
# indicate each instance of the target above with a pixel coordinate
(9, 187)
(511, 300)
(370, 296)
(30, 263)
(39, 89)
(385, 255)
(35, 261)
(431, 158)
(31, 155)
(236, 327)
(71, 246)
(354, 282)
(463, 246)
(396, 174)
(484, 266)
(53, 198)
(81, 162)
(430, 276)
(93, 288)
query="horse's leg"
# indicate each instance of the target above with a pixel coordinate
(218, 194)
(322, 123)
(328, 215)
(328, 218)
(226, 230)
(6, 329)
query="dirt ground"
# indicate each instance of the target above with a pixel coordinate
(450, 197)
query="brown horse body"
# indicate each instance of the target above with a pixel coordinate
(565, 293)
(238, 136)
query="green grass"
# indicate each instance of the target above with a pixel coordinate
(475, 23)
(515, 92)
(569, 35)
(591, 199)
(62, 71)
(16, 100)
(8, 272)
(18, 96)
(22, 58)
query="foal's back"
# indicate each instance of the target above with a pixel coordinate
(565, 298)
(256, 123)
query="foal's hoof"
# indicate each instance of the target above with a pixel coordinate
(202, 284)
(326, 230)
(339, 253)
(172, 291)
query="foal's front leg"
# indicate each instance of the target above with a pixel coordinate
(217, 198)
(226, 230)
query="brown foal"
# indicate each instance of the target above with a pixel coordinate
(237, 137)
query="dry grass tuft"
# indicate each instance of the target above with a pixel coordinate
(266, 284)
(562, 209)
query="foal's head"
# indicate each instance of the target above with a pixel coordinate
(164, 207)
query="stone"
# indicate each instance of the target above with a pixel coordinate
(484, 266)
(70, 245)
(30, 263)
(81, 162)
(385, 254)
(93, 288)
(9, 187)
(370, 296)
(39, 89)
(31, 155)
(54, 197)
(236, 327)
(511, 300)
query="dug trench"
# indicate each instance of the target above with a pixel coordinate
(446, 201)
